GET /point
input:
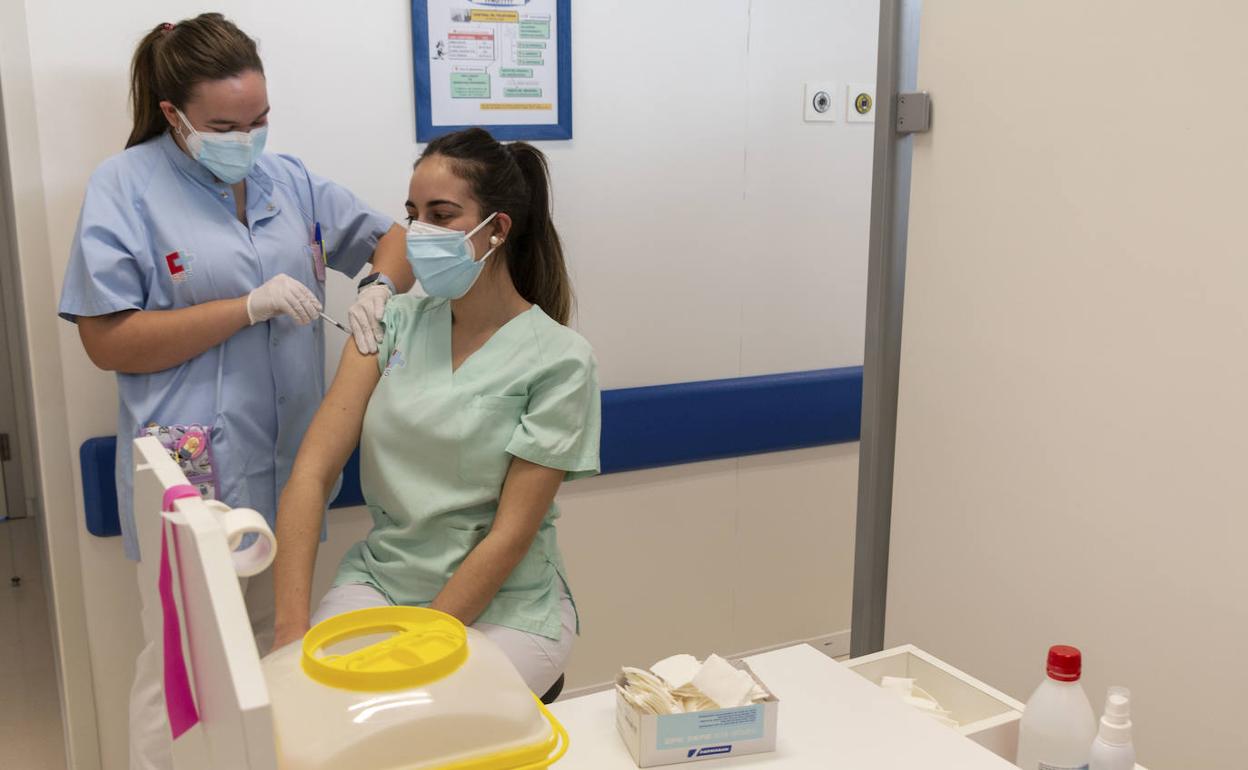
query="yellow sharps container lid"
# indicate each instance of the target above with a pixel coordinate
(426, 645)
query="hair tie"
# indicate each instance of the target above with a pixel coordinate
(167, 26)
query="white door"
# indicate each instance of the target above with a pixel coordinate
(1072, 421)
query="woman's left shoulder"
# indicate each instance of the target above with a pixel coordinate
(559, 343)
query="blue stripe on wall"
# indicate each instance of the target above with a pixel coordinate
(644, 427)
(694, 421)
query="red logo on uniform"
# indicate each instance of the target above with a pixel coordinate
(179, 266)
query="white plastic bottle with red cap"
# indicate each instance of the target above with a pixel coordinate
(1058, 726)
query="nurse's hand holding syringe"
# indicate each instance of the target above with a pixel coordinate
(285, 294)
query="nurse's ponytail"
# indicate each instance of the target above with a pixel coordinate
(513, 178)
(174, 58)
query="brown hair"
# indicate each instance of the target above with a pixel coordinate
(513, 179)
(174, 58)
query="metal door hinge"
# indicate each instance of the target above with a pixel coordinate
(914, 112)
(6, 453)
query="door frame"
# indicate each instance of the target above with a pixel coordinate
(18, 481)
(896, 71)
(49, 454)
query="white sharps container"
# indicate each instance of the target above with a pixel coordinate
(429, 695)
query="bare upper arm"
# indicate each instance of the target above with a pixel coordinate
(335, 430)
(99, 338)
(528, 491)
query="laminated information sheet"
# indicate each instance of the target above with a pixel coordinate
(503, 65)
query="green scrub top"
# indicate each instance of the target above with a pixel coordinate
(436, 446)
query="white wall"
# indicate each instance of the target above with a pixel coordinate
(1072, 426)
(711, 234)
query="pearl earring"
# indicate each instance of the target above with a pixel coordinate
(495, 240)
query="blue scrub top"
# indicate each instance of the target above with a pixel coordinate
(158, 232)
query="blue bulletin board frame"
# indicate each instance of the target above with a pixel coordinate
(426, 131)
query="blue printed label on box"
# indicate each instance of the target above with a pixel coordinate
(678, 731)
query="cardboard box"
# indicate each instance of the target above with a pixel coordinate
(668, 739)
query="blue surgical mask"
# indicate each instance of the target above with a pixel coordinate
(230, 157)
(444, 260)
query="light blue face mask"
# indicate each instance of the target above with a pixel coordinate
(444, 260)
(230, 157)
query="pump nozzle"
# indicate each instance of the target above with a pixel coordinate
(1116, 722)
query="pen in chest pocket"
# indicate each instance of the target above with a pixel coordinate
(319, 258)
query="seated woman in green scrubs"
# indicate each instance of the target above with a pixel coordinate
(479, 404)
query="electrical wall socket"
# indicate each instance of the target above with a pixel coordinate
(860, 103)
(821, 102)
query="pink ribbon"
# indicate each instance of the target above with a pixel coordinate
(179, 700)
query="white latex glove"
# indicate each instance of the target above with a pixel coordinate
(365, 315)
(283, 295)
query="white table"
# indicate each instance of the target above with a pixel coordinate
(830, 718)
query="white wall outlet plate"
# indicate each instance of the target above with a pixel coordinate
(821, 104)
(860, 103)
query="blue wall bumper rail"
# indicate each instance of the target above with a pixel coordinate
(646, 427)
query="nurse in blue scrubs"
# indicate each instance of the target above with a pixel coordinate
(197, 275)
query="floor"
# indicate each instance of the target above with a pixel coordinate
(30, 712)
